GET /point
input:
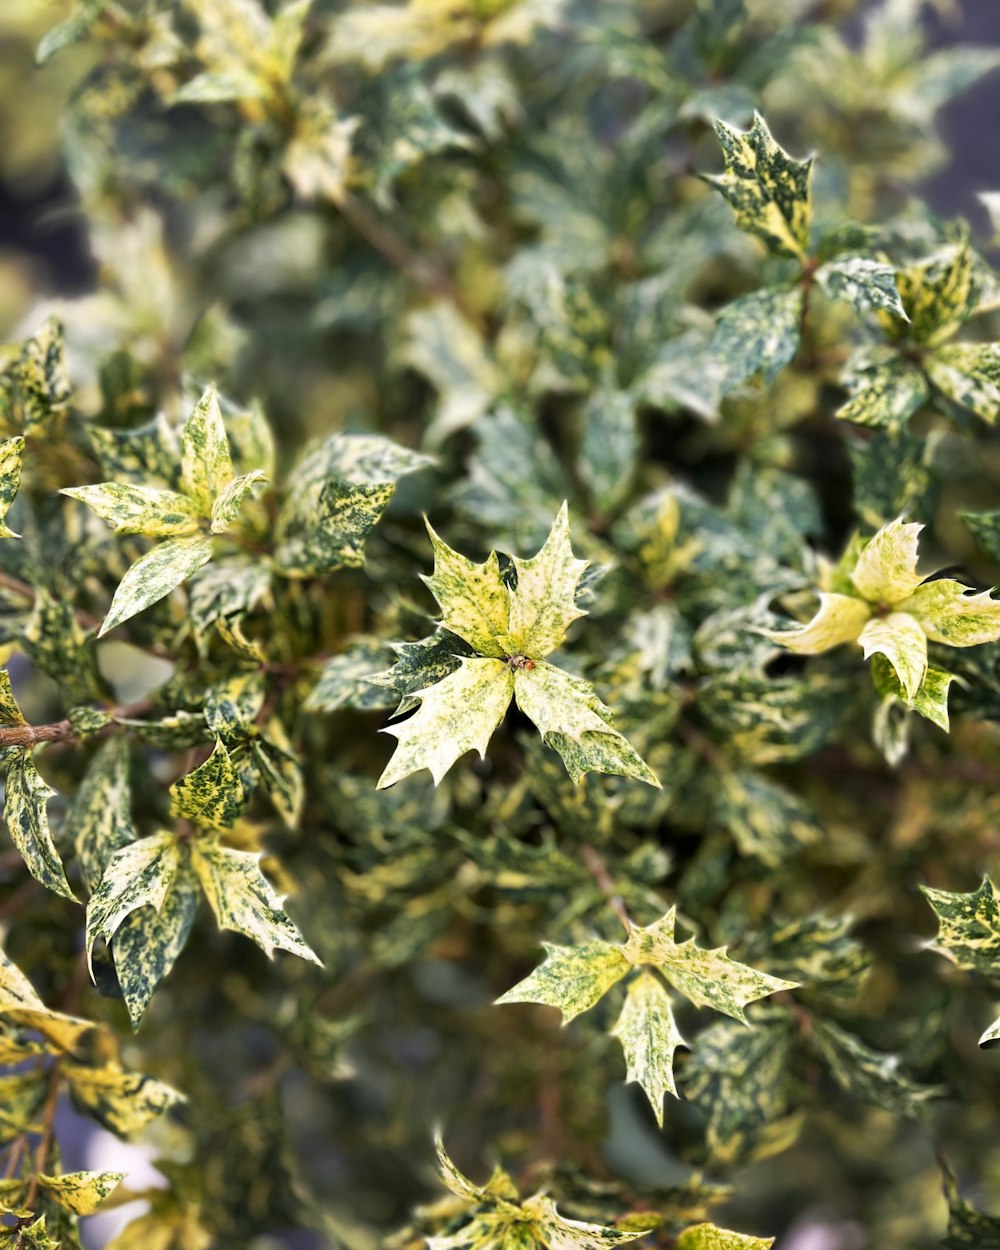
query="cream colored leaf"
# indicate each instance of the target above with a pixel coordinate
(886, 571)
(649, 1036)
(145, 510)
(900, 639)
(543, 604)
(558, 1233)
(457, 714)
(138, 875)
(839, 619)
(474, 602)
(206, 462)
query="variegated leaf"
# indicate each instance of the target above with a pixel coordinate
(155, 575)
(80, 1192)
(122, 1101)
(100, 818)
(131, 509)
(900, 639)
(758, 333)
(969, 374)
(709, 1237)
(244, 900)
(572, 978)
(862, 282)
(138, 875)
(543, 604)
(649, 1036)
(332, 534)
(10, 713)
(206, 461)
(11, 450)
(768, 189)
(211, 796)
(968, 927)
(474, 600)
(951, 613)
(26, 798)
(839, 619)
(456, 715)
(886, 570)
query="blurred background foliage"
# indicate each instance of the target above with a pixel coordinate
(453, 218)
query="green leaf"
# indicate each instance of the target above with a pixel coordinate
(35, 388)
(649, 1037)
(758, 333)
(939, 293)
(709, 1237)
(80, 1192)
(332, 535)
(11, 450)
(543, 604)
(765, 819)
(708, 978)
(26, 800)
(609, 447)
(123, 1102)
(572, 978)
(968, 1227)
(893, 475)
(421, 664)
(139, 509)
(969, 374)
(870, 1075)
(885, 393)
(206, 462)
(155, 575)
(348, 679)
(839, 619)
(244, 900)
(985, 527)
(75, 28)
(228, 502)
(456, 715)
(863, 283)
(140, 874)
(767, 188)
(100, 818)
(148, 941)
(571, 718)
(968, 927)
(886, 569)
(474, 601)
(930, 700)
(443, 346)
(951, 613)
(10, 713)
(211, 796)
(901, 640)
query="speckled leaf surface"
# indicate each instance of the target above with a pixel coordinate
(124, 1102)
(886, 569)
(131, 509)
(11, 451)
(25, 811)
(211, 796)
(649, 1036)
(767, 188)
(572, 978)
(758, 333)
(709, 1237)
(206, 461)
(968, 927)
(81, 1192)
(951, 613)
(226, 505)
(901, 640)
(155, 575)
(543, 604)
(244, 901)
(862, 282)
(456, 714)
(969, 375)
(100, 818)
(473, 598)
(138, 875)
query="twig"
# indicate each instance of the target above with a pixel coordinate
(598, 869)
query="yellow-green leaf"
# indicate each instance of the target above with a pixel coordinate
(709, 1237)
(10, 713)
(572, 978)
(767, 188)
(26, 798)
(80, 1192)
(228, 502)
(886, 570)
(11, 450)
(144, 510)
(122, 1101)
(206, 462)
(649, 1036)
(475, 604)
(951, 613)
(543, 604)
(155, 575)
(138, 875)
(244, 900)
(900, 639)
(211, 796)
(839, 619)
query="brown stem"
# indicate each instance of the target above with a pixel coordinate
(62, 730)
(400, 254)
(598, 869)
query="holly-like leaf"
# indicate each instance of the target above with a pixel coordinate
(457, 714)
(211, 796)
(154, 576)
(131, 509)
(138, 875)
(931, 698)
(80, 1192)
(332, 533)
(767, 188)
(649, 1036)
(870, 1075)
(968, 927)
(11, 450)
(901, 640)
(572, 978)
(20, 1005)
(839, 619)
(26, 798)
(206, 461)
(10, 713)
(473, 598)
(951, 613)
(543, 604)
(886, 569)
(122, 1101)
(939, 293)
(863, 283)
(765, 819)
(708, 978)
(886, 392)
(244, 900)
(100, 818)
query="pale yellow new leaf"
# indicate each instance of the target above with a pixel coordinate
(80, 1192)
(474, 602)
(839, 619)
(572, 978)
(951, 613)
(886, 571)
(900, 639)
(543, 604)
(649, 1036)
(456, 714)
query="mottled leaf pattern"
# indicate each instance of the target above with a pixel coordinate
(131, 509)
(138, 875)
(81, 1192)
(572, 978)
(211, 796)
(649, 1036)
(206, 462)
(11, 450)
(155, 575)
(26, 798)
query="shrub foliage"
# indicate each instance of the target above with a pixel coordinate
(690, 419)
